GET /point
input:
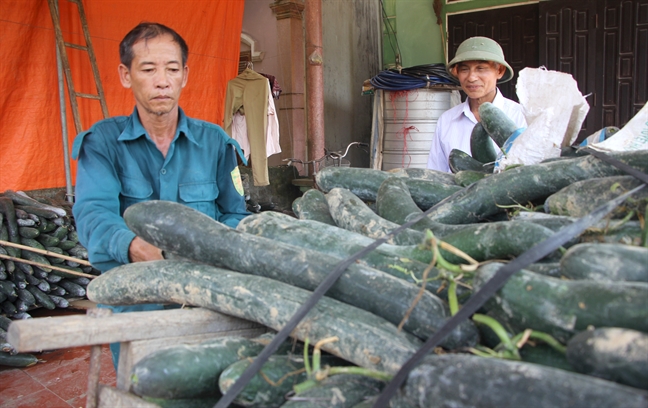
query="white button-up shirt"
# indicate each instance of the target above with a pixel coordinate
(455, 125)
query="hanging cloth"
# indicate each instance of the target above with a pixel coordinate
(239, 130)
(272, 138)
(250, 91)
(274, 85)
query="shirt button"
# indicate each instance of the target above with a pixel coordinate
(163, 171)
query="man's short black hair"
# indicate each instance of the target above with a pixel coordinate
(145, 31)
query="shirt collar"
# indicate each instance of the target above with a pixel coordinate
(498, 102)
(499, 99)
(135, 130)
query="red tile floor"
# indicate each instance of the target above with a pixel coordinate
(61, 381)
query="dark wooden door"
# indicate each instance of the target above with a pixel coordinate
(624, 56)
(514, 28)
(568, 43)
(604, 45)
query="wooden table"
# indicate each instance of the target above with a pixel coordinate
(139, 334)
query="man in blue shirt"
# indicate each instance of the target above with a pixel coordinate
(156, 153)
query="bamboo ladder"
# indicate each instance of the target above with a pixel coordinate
(63, 64)
(62, 49)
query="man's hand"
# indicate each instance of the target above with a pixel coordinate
(140, 250)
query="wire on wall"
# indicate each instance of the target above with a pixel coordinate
(438, 7)
(391, 33)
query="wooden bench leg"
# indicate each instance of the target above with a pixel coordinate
(93, 377)
(124, 366)
(95, 363)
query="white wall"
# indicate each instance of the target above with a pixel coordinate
(352, 51)
(260, 23)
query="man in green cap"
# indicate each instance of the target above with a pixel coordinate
(479, 65)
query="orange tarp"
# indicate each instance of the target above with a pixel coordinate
(31, 142)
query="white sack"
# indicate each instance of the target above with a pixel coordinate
(554, 110)
(633, 136)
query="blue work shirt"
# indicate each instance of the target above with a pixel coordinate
(119, 165)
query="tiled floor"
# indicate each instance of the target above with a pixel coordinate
(60, 381)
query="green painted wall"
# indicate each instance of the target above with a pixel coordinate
(416, 32)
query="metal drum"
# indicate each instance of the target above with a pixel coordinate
(410, 119)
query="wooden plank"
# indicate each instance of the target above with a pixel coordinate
(50, 333)
(132, 352)
(110, 397)
(81, 304)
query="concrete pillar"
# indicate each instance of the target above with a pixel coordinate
(292, 115)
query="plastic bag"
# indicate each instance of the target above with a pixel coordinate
(599, 135)
(633, 136)
(554, 109)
